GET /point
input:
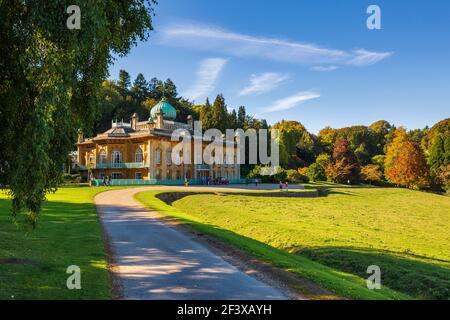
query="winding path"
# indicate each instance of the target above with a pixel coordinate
(155, 261)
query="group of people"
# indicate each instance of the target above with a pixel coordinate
(106, 181)
(280, 184)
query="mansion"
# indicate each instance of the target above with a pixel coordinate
(142, 150)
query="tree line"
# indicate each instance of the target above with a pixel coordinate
(380, 154)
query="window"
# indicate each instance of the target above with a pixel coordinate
(139, 155)
(169, 157)
(178, 175)
(138, 175)
(169, 174)
(91, 157)
(116, 159)
(158, 156)
(158, 174)
(116, 175)
(102, 157)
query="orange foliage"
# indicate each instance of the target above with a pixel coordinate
(405, 162)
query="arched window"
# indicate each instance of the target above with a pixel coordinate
(158, 156)
(91, 157)
(102, 157)
(139, 155)
(116, 158)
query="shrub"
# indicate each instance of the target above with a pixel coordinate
(316, 172)
(294, 176)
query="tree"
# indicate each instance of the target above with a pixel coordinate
(242, 118)
(233, 120)
(327, 137)
(51, 78)
(362, 141)
(206, 115)
(293, 176)
(170, 89)
(297, 143)
(316, 172)
(442, 127)
(382, 130)
(219, 114)
(140, 88)
(344, 166)
(439, 159)
(438, 155)
(405, 163)
(379, 161)
(371, 173)
(323, 159)
(124, 82)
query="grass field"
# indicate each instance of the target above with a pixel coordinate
(33, 263)
(333, 239)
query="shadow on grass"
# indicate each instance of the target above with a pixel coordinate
(317, 274)
(411, 275)
(172, 196)
(33, 263)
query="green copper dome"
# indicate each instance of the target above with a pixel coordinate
(166, 108)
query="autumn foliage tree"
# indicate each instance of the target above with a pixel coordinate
(343, 166)
(405, 162)
(371, 173)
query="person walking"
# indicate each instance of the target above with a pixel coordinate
(256, 183)
(280, 184)
(104, 181)
(287, 185)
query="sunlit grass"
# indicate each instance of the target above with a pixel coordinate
(33, 263)
(404, 232)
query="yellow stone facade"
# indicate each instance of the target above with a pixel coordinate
(142, 150)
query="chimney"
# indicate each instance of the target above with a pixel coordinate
(134, 121)
(80, 136)
(159, 120)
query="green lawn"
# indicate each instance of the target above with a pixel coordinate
(33, 263)
(333, 239)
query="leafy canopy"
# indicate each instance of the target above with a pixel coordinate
(50, 80)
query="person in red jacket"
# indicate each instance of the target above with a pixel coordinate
(287, 186)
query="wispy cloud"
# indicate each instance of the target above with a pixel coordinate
(211, 38)
(324, 68)
(207, 75)
(291, 101)
(363, 57)
(264, 82)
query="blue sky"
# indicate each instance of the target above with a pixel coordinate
(312, 61)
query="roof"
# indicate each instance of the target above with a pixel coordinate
(168, 111)
(119, 131)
